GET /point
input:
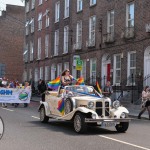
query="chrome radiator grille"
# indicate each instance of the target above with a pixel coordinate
(100, 106)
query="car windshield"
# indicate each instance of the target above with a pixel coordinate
(82, 90)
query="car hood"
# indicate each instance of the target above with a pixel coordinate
(87, 98)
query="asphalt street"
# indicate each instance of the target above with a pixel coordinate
(24, 131)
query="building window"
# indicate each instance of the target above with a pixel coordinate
(56, 43)
(27, 6)
(39, 49)
(47, 73)
(79, 35)
(40, 21)
(31, 51)
(25, 54)
(40, 2)
(32, 25)
(30, 74)
(57, 11)
(59, 69)
(46, 45)
(131, 67)
(27, 27)
(66, 9)
(66, 65)
(66, 34)
(117, 69)
(33, 4)
(47, 20)
(92, 2)
(93, 71)
(41, 72)
(130, 15)
(110, 22)
(53, 71)
(2, 70)
(83, 71)
(36, 77)
(79, 5)
(92, 25)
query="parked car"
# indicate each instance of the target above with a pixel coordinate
(84, 106)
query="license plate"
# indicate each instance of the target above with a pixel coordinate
(108, 124)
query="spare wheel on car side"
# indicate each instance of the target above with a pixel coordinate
(68, 106)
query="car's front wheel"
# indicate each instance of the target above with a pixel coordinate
(79, 123)
(43, 117)
(122, 127)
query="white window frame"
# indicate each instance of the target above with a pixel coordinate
(31, 50)
(92, 28)
(27, 27)
(40, 2)
(47, 69)
(110, 18)
(66, 65)
(116, 69)
(26, 52)
(66, 9)
(129, 81)
(83, 71)
(53, 71)
(33, 4)
(59, 69)
(41, 73)
(36, 75)
(27, 6)
(93, 72)
(127, 15)
(92, 2)
(66, 39)
(39, 49)
(56, 43)
(46, 45)
(79, 5)
(32, 25)
(57, 11)
(79, 33)
(40, 21)
(47, 20)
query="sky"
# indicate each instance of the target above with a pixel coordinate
(13, 2)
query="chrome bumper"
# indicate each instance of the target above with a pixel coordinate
(90, 120)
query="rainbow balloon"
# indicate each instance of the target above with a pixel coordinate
(54, 84)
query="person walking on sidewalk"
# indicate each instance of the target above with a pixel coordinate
(42, 90)
(147, 104)
(144, 100)
(28, 88)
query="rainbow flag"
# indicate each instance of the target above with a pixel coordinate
(54, 84)
(61, 106)
(98, 87)
(80, 81)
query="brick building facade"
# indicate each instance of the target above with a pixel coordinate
(110, 36)
(11, 42)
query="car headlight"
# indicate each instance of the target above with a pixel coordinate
(116, 104)
(90, 104)
(123, 115)
(93, 116)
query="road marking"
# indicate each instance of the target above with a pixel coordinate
(124, 142)
(35, 117)
(8, 109)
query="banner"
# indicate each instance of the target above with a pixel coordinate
(10, 95)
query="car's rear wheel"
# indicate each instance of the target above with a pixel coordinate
(43, 117)
(122, 127)
(79, 123)
(68, 106)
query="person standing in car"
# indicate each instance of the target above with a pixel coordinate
(43, 88)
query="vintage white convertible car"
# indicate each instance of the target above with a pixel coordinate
(84, 106)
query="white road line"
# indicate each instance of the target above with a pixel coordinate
(35, 117)
(8, 109)
(124, 142)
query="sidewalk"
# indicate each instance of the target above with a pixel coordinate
(133, 109)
